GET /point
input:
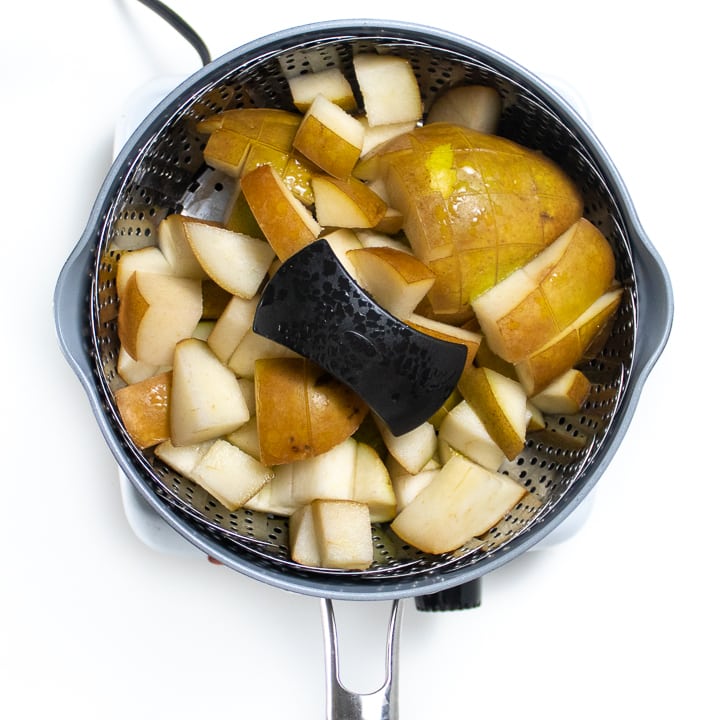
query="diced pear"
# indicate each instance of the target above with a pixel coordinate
(566, 394)
(535, 418)
(275, 497)
(182, 458)
(396, 280)
(156, 312)
(331, 83)
(246, 438)
(173, 243)
(413, 449)
(372, 485)
(147, 259)
(254, 347)
(344, 534)
(530, 306)
(451, 333)
(232, 326)
(501, 405)
(237, 263)
(407, 487)
(206, 401)
(226, 151)
(286, 223)
(389, 89)
(478, 107)
(301, 410)
(374, 238)
(330, 137)
(144, 409)
(346, 203)
(303, 543)
(376, 135)
(230, 475)
(329, 475)
(568, 347)
(133, 371)
(463, 431)
(463, 501)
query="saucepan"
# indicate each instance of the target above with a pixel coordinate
(161, 170)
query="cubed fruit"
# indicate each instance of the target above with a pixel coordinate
(463, 501)
(206, 401)
(330, 137)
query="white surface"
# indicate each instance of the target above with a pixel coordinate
(619, 622)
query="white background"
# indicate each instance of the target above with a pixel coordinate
(621, 621)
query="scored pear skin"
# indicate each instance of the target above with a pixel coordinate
(476, 206)
(568, 348)
(561, 282)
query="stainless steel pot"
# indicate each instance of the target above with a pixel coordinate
(161, 170)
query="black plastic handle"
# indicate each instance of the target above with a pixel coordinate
(461, 597)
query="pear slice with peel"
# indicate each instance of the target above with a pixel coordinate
(463, 432)
(568, 347)
(566, 394)
(501, 404)
(531, 305)
(395, 279)
(346, 203)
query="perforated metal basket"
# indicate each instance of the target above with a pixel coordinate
(161, 170)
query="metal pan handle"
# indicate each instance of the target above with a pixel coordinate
(343, 704)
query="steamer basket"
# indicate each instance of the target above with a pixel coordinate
(161, 170)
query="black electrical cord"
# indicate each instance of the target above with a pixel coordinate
(171, 17)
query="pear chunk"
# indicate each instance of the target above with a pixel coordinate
(301, 410)
(465, 433)
(395, 279)
(566, 394)
(330, 137)
(568, 347)
(144, 409)
(344, 534)
(372, 484)
(147, 259)
(157, 311)
(231, 327)
(346, 203)
(412, 449)
(529, 307)
(238, 263)
(463, 501)
(229, 474)
(331, 83)
(389, 89)
(286, 223)
(474, 106)
(501, 404)
(206, 401)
